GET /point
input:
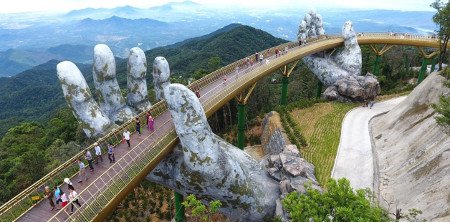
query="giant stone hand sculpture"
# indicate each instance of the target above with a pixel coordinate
(207, 165)
(99, 119)
(341, 71)
(213, 169)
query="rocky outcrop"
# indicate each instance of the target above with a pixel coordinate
(283, 161)
(273, 137)
(413, 154)
(343, 65)
(98, 119)
(353, 88)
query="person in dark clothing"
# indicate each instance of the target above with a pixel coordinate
(138, 125)
(111, 157)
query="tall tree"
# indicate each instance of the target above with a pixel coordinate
(442, 19)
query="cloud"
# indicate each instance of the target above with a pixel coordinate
(67, 5)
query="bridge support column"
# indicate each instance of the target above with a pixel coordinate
(179, 208)
(378, 54)
(319, 89)
(425, 61)
(422, 71)
(242, 100)
(433, 64)
(241, 125)
(284, 90)
(286, 73)
(376, 64)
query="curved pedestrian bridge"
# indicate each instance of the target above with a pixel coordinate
(111, 182)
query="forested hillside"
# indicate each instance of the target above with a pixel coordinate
(43, 134)
(35, 94)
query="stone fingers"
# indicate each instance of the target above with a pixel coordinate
(78, 96)
(107, 89)
(161, 75)
(136, 80)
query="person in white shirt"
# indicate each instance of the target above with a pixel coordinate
(98, 153)
(126, 136)
(73, 197)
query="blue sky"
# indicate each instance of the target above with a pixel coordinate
(67, 5)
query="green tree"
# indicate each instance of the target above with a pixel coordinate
(214, 63)
(338, 203)
(442, 19)
(59, 152)
(199, 209)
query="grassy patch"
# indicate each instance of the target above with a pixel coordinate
(321, 127)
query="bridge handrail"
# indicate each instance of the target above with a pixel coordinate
(37, 188)
(126, 173)
(157, 109)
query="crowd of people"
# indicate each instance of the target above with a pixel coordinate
(61, 198)
(58, 199)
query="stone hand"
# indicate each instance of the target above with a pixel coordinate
(208, 166)
(341, 71)
(98, 119)
(345, 61)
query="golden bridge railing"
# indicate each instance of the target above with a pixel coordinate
(107, 185)
(22, 202)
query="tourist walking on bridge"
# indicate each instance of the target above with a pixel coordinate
(111, 157)
(138, 125)
(48, 194)
(151, 123)
(57, 197)
(65, 200)
(126, 136)
(89, 158)
(146, 117)
(82, 174)
(98, 153)
(73, 197)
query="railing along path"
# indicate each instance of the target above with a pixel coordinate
(141, 158)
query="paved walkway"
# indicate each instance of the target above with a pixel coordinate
(354, 159)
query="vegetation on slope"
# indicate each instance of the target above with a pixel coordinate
(321, 127)
(443, 107)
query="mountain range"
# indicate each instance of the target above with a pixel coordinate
(35, 94)
(25, 40)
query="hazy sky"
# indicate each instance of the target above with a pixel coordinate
(67, 5)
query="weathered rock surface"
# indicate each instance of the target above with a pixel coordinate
(283, 161)
(212, 169)
(110, 98)
(137, 84)
(97, 120)
(273, 137)
(160, 76)
(79, 98)
(208, 166)
(353, 88)
(343, 65)
(413, 153)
